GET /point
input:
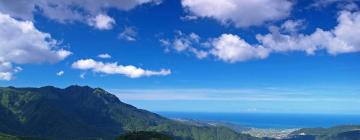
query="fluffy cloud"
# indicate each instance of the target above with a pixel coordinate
(231, 48)
(347, 30)
(227, 47)
(22, 43)
(114, 68)
(66, 10)
(342, 39)
(104, 56)
(128, 34)
(102, 22)
(242, 13)
(7, 70)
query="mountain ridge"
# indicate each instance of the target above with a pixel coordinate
(82, 112)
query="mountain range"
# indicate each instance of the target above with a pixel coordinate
(82, 112)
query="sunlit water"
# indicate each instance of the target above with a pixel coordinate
(261, 120)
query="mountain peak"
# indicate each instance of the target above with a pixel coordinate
(82, 112)
(48, 87)
(78, 87)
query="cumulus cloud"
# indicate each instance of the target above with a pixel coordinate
(102, 22)
(128, 34)
(60, 73)
(286, 38)
(20, 40)
(227, 47)
(241, 13)
(7, 71)
(231, 48)
(22, 43)
(343, 38)
(115, 68)
(67, 10)
(104, 56)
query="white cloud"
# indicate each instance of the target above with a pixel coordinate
(231, 48)
(227, 47)
(293, 26)
(5, 76)
(114, 68)
(200, 54)
(194, 37)
(181, 44)
(347, 29)
(104, 56)
(242, 13)
(19, 8)
(128, 34)
(102, 22)
(20, 40)
(60, 73)
(342, 39)
(67, 10)
(22, 43)
(7, 71)
(186, 43)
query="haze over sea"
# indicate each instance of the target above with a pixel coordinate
(269, 120)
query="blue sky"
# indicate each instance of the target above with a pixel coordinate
(190, 55)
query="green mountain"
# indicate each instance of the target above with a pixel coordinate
(89, 113)
(344, 132)
(144, 135)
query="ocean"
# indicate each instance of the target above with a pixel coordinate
(267, 120)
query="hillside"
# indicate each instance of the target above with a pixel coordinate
(144, 135)
(79, 112)
(344, 132)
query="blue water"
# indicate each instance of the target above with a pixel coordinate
(259, 120)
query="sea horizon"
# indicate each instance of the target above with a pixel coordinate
(268, 120)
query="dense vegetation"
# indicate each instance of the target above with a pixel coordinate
(92, 113)
(87, 113)
(9, 137)
(346, 132)
(144, 135)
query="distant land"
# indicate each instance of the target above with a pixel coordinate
(82, 112)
